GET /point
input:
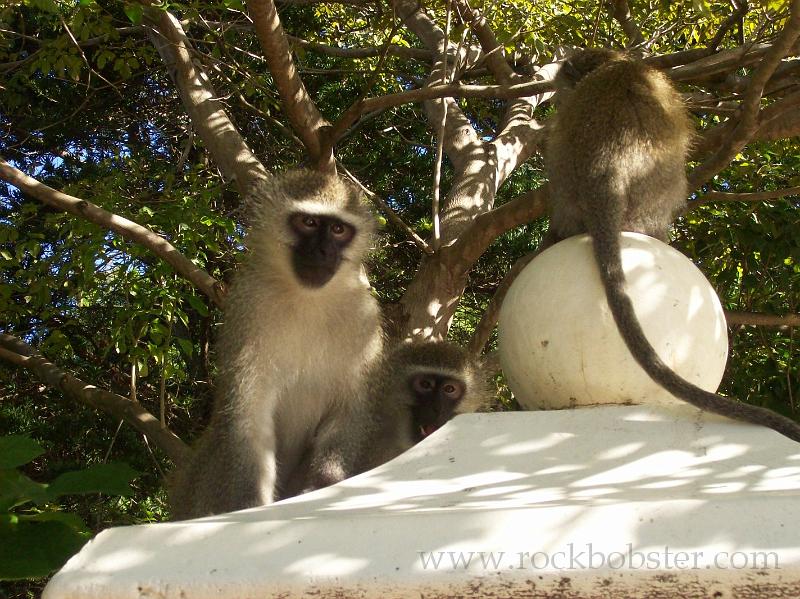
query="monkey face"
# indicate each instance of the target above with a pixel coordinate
(435, 399)
(320, 241)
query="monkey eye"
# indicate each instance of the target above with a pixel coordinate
(304, 223)
(422, 384)
(342, 231)
(453, 390)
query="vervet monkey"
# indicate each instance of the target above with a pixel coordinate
(416, 389)
(300, 332)
(615, 159)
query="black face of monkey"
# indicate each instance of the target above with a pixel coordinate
(317, 253)
(436, 398)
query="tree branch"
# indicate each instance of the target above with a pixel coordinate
(227, 148)
(740, 10)
(747, 123)
(486, 227)
(758, 319)
(20, 353)
(757, 196)
(433, 92)
(489, 319)
(391, 49)
(493, 51)
(622, 14)
(306, 120)
(126, 228)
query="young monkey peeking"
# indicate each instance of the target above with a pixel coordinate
(414, 391)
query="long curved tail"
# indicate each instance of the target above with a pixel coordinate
(607, 248)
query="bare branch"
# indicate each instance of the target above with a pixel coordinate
(489, 319)
(440, 136)
(758, 196)
(228, 149)
(779, 120)
(765, 320)
(740, 10)
(622, 14)
(495, 59)
(20, 353)
(520, 133)
(783, 126)
(693, 68)
(306, 120)
(126, 228)
(747, 123)
(391, 49)
(432, 92)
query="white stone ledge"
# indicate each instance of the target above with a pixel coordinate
(654, 479)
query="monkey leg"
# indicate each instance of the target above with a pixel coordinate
(335, 448)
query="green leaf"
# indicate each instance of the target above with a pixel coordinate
(112, 479)
(68, 518)
(35, 549)
(16, 450)
(134, 12)
(186, 346)
(45, 5)
(198, 304)
(17, 489)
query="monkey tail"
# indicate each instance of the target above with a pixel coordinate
(606, 243)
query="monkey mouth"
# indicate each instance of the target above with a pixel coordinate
(426, 430)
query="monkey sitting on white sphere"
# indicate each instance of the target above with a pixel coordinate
(560, 347)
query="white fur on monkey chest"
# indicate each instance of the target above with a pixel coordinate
(559, 345)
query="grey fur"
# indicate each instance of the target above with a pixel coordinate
(615, 159)
(293, 359)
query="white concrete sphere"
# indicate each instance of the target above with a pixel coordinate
(559, 345)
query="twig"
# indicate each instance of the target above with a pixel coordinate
(759, 319)
(757, 196)
(83, 55)
(391, 215)
(390, 49)
(437, 167)
(340, 128)
(126, 228)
